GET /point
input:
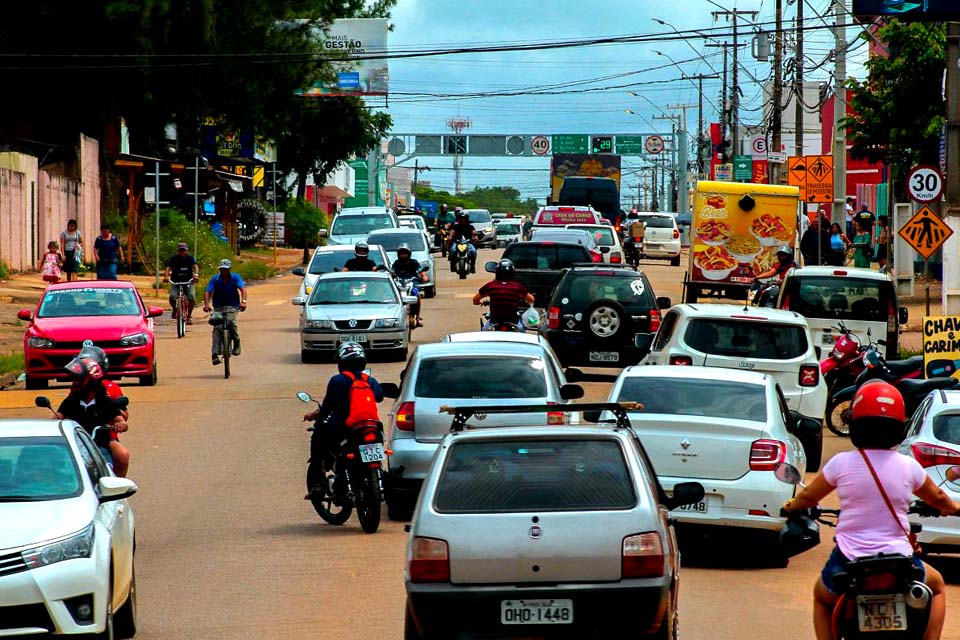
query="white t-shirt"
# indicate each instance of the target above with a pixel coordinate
(849, 209)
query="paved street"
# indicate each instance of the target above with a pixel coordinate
(227, 548)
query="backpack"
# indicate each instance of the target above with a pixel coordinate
(363, 406)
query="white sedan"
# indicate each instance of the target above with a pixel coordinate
(725, 429)
(67, 540)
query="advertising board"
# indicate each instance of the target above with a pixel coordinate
(920, 10)
(354, 44)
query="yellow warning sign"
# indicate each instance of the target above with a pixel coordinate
(819, 178)
(925, 232)
(797, 174)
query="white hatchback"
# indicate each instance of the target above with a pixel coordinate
(606, 236)
(66, 544)
(661, 239)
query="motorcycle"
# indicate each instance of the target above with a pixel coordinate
(409, 287)
(902, 374)
(631, 253)
(528, 320)
(355, 479)
(440, 238)
(460, 257)
(879, 595)
(844, 362)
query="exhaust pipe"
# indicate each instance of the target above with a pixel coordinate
(918, 596)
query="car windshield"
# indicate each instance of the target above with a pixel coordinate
(353, 291)
(630, 290)
(696, 397)
(657, 222)
(507, 228)
(89, 301)
(478, 217)
(946, 427)
(534, 475)
(390, 241)
(37, 468)
(747, 339)
(360, 225)
(546, 256)
(481, 377)
(327, 261)
(840, 297)
(603, 235)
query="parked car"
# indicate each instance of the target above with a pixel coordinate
(933, 439)
(509, 230)
(353, 225)
(574, 236)
(727, 430)
(596, 313)
(604, 235)
(662, 238)
(483, 223)
(391, 239)
(755, 339)
(468, 373)
(330, 260)
(66, 547)
(363, 307)
(539, 264)
(110, 313)
(540, 531)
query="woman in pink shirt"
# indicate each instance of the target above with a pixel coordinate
(866, 526)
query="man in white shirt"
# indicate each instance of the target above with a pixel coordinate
(851, 203)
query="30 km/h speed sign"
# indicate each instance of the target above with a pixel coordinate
(925, 183)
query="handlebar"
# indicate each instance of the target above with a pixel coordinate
(917, 507)
(181, 283)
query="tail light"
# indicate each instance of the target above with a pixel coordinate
(596, 256)
(685, 361)
(676, 234)
(654, 320)
(556, 417)
(642, 556)
(765, 454)
(891, 316)
(879, 582)
(933, 455)
(405, 417)
(553, 318)
(809, 375)
(370, 436)
(429, 560)
(616, 258)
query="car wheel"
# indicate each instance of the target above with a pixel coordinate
(430, 292)
(307, 356)
(670, 629)
(150, 380)
(675, 262)
(125, 620)
(36, 383)
(771, 554)
(605, 319)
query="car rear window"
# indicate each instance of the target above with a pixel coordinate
(746, 339)
(695, 397)
(546, 256)
(946, 427)
(840, 298)
(534, 475)
(481, 377)
(327, 261)
(631, 291)
(391, 241)
(603, 235)
(657, 222)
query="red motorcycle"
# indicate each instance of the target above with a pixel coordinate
(844, 363)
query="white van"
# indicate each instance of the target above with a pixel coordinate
(865, 300)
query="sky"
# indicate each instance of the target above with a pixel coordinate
(437, 24)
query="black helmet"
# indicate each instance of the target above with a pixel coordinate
(96, 353)
(361, 249)
(404, 247)
(505, 270)
(351, 357)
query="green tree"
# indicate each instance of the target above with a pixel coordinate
(898, 112)
(501, 199)
(304, 221)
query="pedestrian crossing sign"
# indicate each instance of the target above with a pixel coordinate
(925, 232)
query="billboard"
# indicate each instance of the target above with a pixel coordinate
(355, 43)
(924, 10)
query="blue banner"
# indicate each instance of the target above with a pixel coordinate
(920, 10)
(428, 208)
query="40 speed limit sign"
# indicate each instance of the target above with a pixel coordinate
(925, 183)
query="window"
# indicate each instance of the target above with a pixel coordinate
(666, 331)
(353, 291)
(916, 421)
(37, 468)
(92, 458)
(327, 261)
(478, 217)
(748, 339)
(360, 225)
(549, 256)
(693, 397)
(657, 222)
(603, 235)
(472, 377)
(784, 407)
(392, 241)
(90, 301)
(840, 297)
(630, 291)
(946, 427)
(534, 475)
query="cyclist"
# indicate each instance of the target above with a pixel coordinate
(867, 525)
(406, 267)
(182, 267)
(505, 295)
(361, 259)
(228, 293)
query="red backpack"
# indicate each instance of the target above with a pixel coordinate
(363, 406)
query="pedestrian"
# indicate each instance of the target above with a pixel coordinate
(863, 246)
(838, 246)
(108, 253)
(810, 245)
(50, 272)
(71, 242)
(849, 210)
(865, 218)
(882, 241)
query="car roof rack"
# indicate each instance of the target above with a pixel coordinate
(618, 409)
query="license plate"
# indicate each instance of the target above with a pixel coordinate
(604, 356)
(536, 611)
(882, 613)
(353, 338)
(700, 507)
(828, 339)
(653, 245)
(372, 452)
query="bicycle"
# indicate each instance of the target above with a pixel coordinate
(220, 319)
(181, 306)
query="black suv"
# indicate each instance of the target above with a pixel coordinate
(596, 314)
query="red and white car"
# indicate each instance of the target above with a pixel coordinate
(110, 314)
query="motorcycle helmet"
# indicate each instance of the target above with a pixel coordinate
(878, 418)
(505, 270)
(800, 533)
(351, 357)
(83, 370)
(98, 354)
(785, 250)
(361, 250)
(404, 248)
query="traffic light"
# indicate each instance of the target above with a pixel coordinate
(601, 144)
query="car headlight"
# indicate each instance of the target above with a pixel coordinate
(488, 230)
(40, 343)
(136, 340)
(319, 324)
(387, 323)
(79, 545)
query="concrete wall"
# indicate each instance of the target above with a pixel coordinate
(14, 223)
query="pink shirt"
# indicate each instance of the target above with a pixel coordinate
(866, 526)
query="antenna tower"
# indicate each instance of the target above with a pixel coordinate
(458, 125)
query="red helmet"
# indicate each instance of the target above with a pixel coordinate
(82, 367)
(878, 418)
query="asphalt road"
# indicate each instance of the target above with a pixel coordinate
(227, 547)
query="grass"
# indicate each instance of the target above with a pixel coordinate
(10, 362)
(254, 270)
(909, 353)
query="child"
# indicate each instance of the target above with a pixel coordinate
(51, 263)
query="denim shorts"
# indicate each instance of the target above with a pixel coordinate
(837, 563)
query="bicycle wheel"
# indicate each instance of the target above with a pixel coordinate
(227, 348)
(181, 315)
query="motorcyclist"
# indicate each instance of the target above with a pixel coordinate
(505, 294)
(120, 454)
(866, 526)
(406, 267)
(636, 231)
(330, 418)
(444, 221)
(361, 259)
(785, 262)
(226, 292)
(463, 229)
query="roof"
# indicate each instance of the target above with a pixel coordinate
(396, 231)
(92, 284)
(30, 428)
(665, 214)
(344, 247)
(363, 211)
(699, 373)
(739, 312)
(473, 432)
(840, 272)
(951, 396)
(567, 207)
(410, 216)
(366, 275)
(479, 348)
(492, 336)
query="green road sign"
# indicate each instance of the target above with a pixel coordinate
(742, 168)
(568, 143)
(630, 145)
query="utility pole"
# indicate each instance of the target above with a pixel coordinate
(799, 114)
(951, 248)
(777, 114)
(724, 107)
(839, 114)
(700, 135)
(735, 98)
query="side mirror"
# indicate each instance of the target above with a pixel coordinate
(787, 473)
(573, 374)
(42, 402)
(490, 267)
(571, 392)
(322, 233)
(685, 493)
(390, 390)
(410, 300)
(303, 396)
(24, 314)
(902, 315)
(299, 301)
(604, 249)
(298, 271)
(154, 312)
(112, 488)
(664, 303)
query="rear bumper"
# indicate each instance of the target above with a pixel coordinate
(661, 249)
(599, 610)
(729, 502)
(940, 532)
(575, 349)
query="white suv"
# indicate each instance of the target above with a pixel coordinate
(661, 239)
(750, 338)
